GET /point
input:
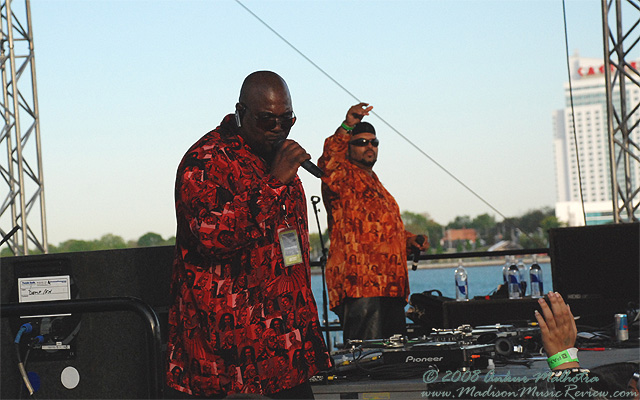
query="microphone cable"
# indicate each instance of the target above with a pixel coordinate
(25, 328)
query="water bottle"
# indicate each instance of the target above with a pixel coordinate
(535, 277)
(462, 285)
(522, 269)
(514, 282)
(505, 269)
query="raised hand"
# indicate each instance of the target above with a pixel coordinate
(356, 113)
(557, 326)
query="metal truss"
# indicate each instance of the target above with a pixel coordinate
(623, 116)
(23, 206)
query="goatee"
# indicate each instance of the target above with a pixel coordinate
(368, 163)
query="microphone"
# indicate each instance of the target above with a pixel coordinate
(416, 253)
(307, 164)
(312, 169)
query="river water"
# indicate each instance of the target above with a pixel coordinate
(483, 280)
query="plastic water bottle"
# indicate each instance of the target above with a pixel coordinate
(522, 269)
(505, 269)
(535, 278)
(514, 282)
(462, 285)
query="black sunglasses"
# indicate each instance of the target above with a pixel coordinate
(268, 121)
(364, 142)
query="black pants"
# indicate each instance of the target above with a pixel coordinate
(372, 317)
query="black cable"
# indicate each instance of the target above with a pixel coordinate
(25, 328)
(26, 357)
(22, 365)
(573, 114)
(24, 362)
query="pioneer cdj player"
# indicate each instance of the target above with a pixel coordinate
(444, 355)
(461, 348)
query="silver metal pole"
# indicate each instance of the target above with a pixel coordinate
(36, 117)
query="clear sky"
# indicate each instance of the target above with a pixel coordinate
(125, 87)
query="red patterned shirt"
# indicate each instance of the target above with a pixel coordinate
(242, 322)
(367, 255)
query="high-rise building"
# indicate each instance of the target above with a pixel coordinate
(593, 174)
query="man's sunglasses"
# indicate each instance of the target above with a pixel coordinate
(364, 142)
(268, 121)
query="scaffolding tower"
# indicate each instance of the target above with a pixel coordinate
(624, 152)
(22, 213)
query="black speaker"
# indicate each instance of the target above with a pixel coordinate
(599, 262)
(109, 349)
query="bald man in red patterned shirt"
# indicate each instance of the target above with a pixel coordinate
(242, 242)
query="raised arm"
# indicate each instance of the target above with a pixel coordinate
(334, 154)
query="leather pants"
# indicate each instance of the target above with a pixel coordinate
(373, 317)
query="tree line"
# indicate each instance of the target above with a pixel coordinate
(529, 230)
(106, 242)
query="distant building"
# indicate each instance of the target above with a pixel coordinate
(452, 237)
(590, 107)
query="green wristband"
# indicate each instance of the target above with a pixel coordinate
(563, 357)
(346, 127)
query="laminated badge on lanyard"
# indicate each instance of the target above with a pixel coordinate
(289, 243)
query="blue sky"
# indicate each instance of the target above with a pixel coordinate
(125, 87)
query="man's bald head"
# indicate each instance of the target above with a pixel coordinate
(261, 84)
